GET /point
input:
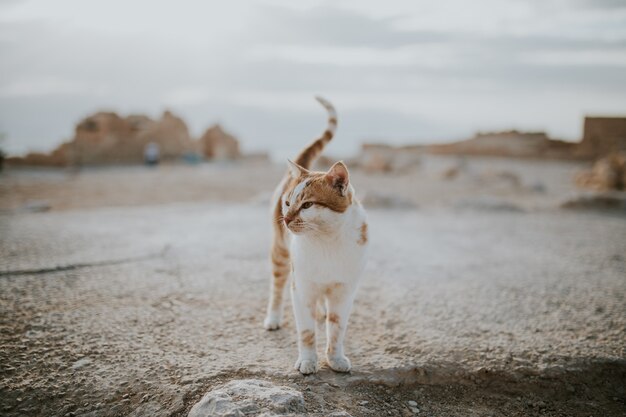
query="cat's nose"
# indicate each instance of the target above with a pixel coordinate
(288, 219)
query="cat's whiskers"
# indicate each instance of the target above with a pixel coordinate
(312, 228)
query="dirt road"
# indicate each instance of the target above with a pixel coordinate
(140, 310)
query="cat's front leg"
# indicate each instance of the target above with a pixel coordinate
(304, 311)
(336, 325)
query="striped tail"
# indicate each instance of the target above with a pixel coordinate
(309, 154)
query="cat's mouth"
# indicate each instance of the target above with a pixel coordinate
(296, 227)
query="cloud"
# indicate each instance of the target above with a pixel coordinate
(603, 4)
(324, 25)
(48, 86)
(185, 96)
(402, 69)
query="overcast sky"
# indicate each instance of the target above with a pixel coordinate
(397, 71)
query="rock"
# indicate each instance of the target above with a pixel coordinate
(451, 173)
(36, 206)
(596, 202)
(412, 403)
(248, 396)
(81, 363)
(608, 173)
(537, 187)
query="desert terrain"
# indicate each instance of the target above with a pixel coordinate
(136, 291)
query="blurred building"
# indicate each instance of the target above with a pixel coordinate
(510, 143)
(217, 144)
(106, 138)
(603, 136)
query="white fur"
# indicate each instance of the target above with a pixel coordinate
(297, 191)
(331, 257)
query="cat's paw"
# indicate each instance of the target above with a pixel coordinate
(306, 366)
(271, 322)
(339, 363)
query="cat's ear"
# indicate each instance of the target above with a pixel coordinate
(338, 177)
(296, 170)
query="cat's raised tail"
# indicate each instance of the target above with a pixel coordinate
(309, 154)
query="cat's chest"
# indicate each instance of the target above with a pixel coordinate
(329, 260)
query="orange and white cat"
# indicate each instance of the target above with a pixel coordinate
(320, 238)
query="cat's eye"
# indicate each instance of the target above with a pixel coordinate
(307, 205)
(287, 203)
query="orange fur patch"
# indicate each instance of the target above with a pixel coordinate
(363, 238)
(318, 191)
(333, 318)
(331, 290)
(308, 338)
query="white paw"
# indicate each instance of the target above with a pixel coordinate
(306, 366)
(339, 363)
(271, 322)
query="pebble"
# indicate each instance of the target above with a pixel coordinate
(364, 402)
(412, 403)
(415, 410)
(81, 363)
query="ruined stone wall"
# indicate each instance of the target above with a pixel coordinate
(218, 144)
(603, 135)
(105, 138)
(509, 144)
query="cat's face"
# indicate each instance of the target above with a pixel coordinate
(315, 201)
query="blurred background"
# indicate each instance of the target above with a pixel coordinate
(140, 142)
(110, 83)
(399, 72)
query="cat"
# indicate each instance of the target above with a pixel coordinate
(320, 237)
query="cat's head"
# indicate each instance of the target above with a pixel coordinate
(315, 201)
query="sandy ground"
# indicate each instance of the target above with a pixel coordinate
(527, 184)
(139, 290)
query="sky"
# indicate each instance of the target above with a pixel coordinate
(398, 71)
